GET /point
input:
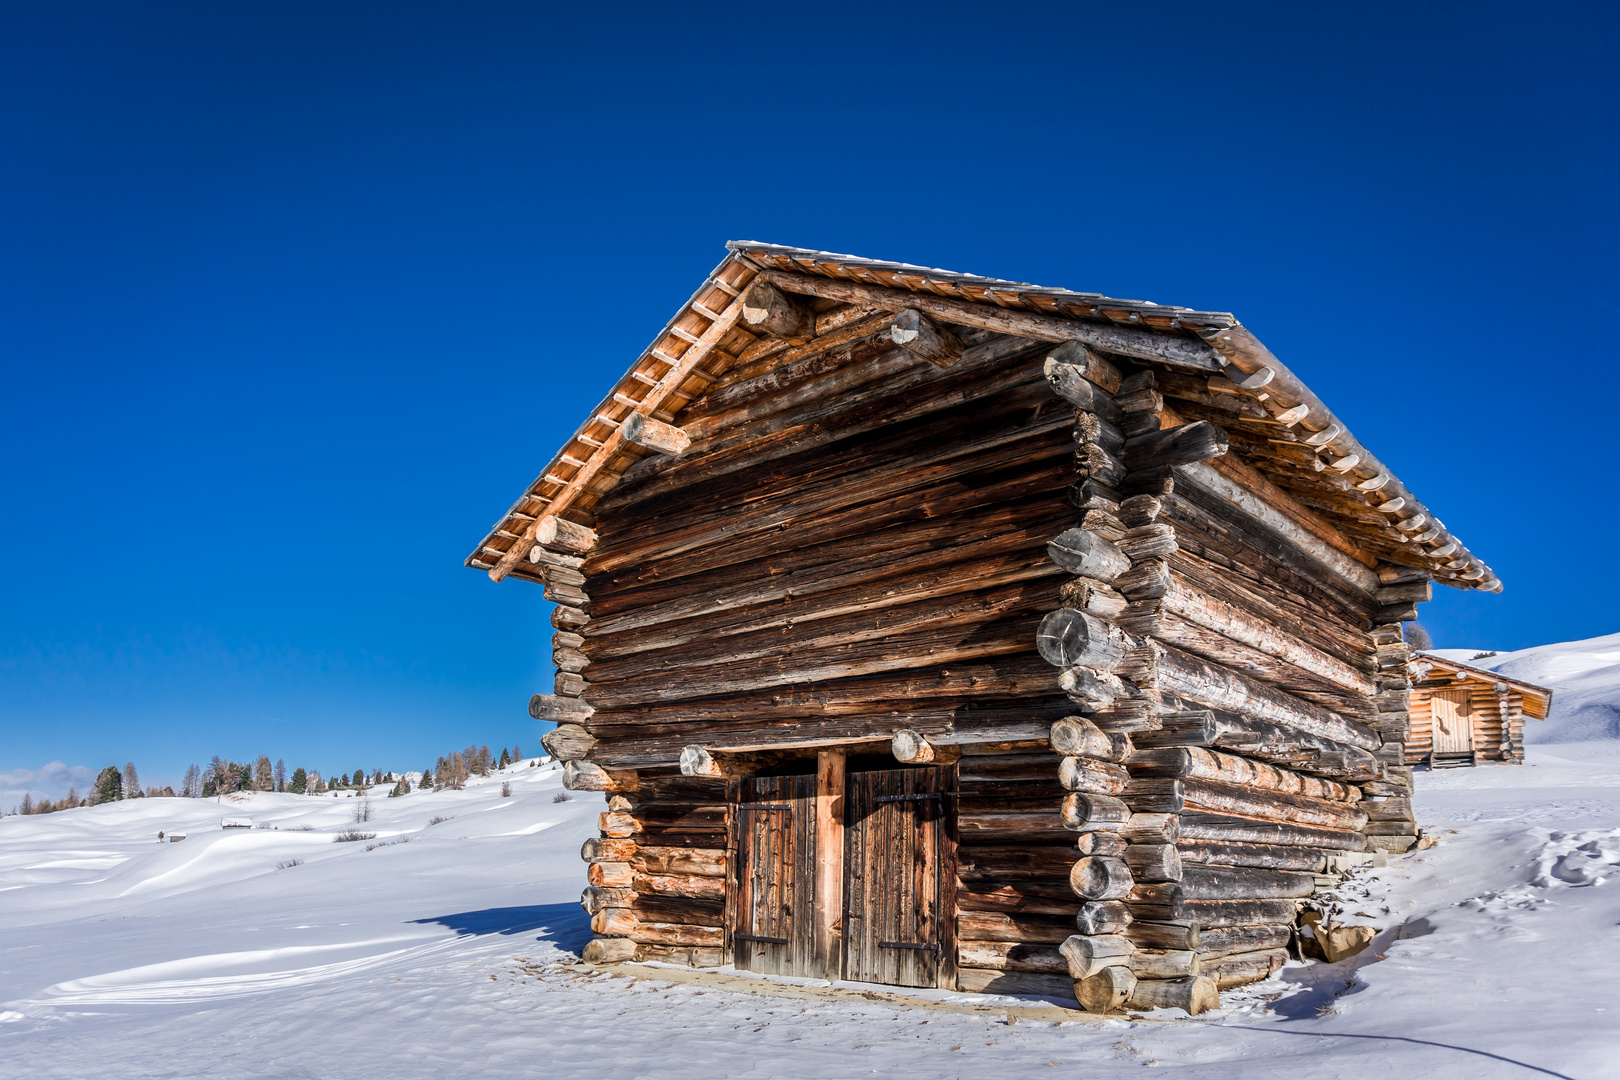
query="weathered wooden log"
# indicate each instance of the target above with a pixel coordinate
(1256, 738)
(1096, 877)
(1174, 936)
(1218, 797)
(1101, 843)
(1003, 863)
(1077, 736)
(980, 827)
(569, 684)
(588, 776)
(1086, 956)
(559, 710)
(569, 618)
(608, 950)
(1182, 445)
(1195, 761)
(1016, 983)
(767, 310)
(1242, 883)
(696, 957)
(1094, 462)
(1092, 776)
(1102, 917)
(568, 742)
(1091, 687)
(1267, 856)
(1228, 620)
(602, 850)
(1135, 342)
(556, 532)
(654, 860)
(1011, 956)
(1093, 596)
(999, 926)
(654, 434)
(1146, 542)
(923, 337)
(614, 922)
(1153, 828)
(1221, 688)
(1086, 554)
(1230, 829)
(612, 875)
(1087, 812)
(1145, 580)
(1019, 897)
(1069, 638)
(699, 761)
(569, 660)
(685, 885)
(1193, 995)
(1153, 862)
(1107, 991)
(1243, 968)
(679, 934)
(1228, 940)
(596, 898)
(617, 825)
(1082, 363)
(911, 747)
(1164, 963)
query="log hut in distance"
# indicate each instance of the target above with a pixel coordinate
(1463, 715)
(937, 630)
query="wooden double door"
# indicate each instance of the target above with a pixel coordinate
(894, 909)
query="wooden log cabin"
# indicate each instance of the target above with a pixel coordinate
(936, 630)
(1464, 715)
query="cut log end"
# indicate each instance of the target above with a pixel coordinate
(1107, 991)
(924, 338)
(911, 747)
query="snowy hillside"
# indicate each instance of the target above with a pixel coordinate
(1585, 678)
(448, 948)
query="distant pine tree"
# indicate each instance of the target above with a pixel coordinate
(109, 785)
(517, 755)
(27, 804)
(1417, 637)
(299, 782)
(359, 777)
(132, 782)
(426, 783)
(506, 758)
(264, 774)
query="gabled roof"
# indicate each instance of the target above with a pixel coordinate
(1341, 480)
(1537, 699)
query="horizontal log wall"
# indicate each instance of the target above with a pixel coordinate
(859, 542)
(853, 544)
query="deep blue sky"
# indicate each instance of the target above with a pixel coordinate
(294, 298)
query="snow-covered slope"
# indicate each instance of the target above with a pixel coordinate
(449, 950)
(1585, 678)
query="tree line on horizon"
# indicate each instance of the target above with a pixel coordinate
(222, 776)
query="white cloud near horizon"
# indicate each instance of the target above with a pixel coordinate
(51, 781)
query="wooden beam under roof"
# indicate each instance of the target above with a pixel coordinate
(651, 400)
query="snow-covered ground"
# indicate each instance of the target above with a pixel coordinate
(453, 954)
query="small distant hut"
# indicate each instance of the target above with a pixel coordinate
(937, 630)
(1463, 715)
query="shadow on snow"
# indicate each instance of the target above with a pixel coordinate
(564, 925)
